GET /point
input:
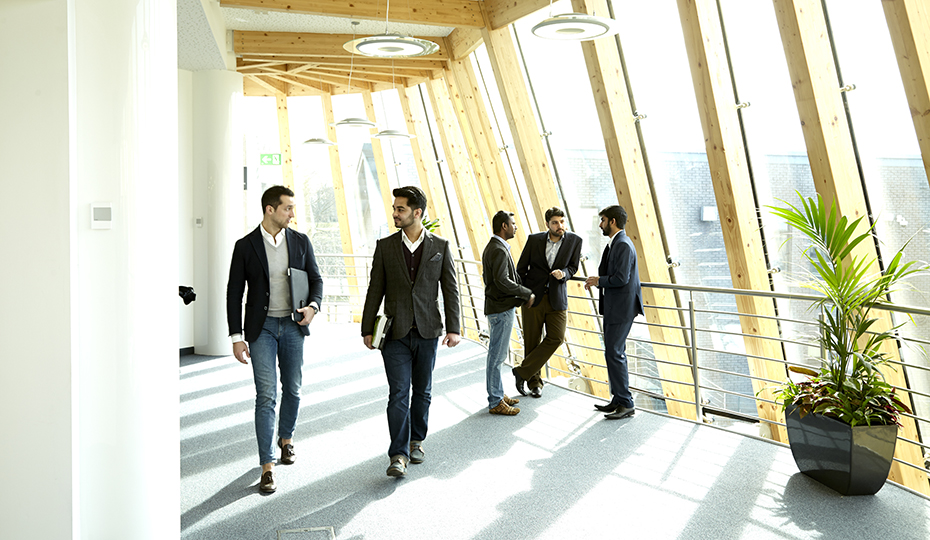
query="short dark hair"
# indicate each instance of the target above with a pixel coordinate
(272, 196)
(554, 211)
(499, 219)
(616, 213)
(414, 195)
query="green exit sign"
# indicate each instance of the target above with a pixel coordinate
(271, 159)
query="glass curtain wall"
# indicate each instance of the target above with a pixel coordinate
(660, 78)
(895, 178)
(777, 151)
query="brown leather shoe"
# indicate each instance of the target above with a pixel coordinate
(504, 409)
(510, 401)
(398, 466)
(288, 456)
(417, 455)
(267, 484)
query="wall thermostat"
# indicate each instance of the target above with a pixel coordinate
(101, 215)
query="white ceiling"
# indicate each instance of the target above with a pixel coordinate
(197, 49)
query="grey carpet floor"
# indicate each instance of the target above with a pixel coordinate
(556, 471)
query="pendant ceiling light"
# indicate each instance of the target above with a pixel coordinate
(320, 141)
(353, 122)
(575, 27)
(390, 45)
(392, 133)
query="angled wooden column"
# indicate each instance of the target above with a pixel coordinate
(466, 191)
(519, 110)
(342, 209)
(627, 166)
(833, 165)
(453, 144)
(909, 24)
(729, 171)
(425, 158)
(500, 195)
(287, 164)
(387, 198)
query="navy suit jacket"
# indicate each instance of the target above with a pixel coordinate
(250, 266)
(534, 270)
(413, 301)
(618, 281)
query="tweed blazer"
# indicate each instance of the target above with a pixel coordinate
(406, 301)
(502, 289)
(618, 281)
(534, 269)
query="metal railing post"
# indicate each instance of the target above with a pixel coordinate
(695, 372)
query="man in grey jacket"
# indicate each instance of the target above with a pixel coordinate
(409, 268)
(502, 293)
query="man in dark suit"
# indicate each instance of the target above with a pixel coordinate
(621, 300)
(502, 293)
(261, 259)
(548, 261)
(409, 268)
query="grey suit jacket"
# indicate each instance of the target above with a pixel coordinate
(618, 281)
(408, 301)
(502, 289)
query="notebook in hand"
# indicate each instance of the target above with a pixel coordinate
(382, 329)
(300, 291)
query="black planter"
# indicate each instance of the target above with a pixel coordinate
(850, 460)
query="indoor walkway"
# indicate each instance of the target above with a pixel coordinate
(555, 471)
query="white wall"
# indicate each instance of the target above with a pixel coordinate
(186, 223)
(89, 393)
(35, 278)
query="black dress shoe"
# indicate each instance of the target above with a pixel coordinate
(520, 381)
(536, 392)
(621, 412)
(609, 408)
(288, 455)
(267, 484)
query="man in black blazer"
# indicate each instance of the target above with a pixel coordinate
(502, 294)
(408, 270)
(261, 259)
(548, 261)
(621, 300)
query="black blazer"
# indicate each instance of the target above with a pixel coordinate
(618, 280)
(534, 270)
(408, 301)
(250, 265)
(502, 289)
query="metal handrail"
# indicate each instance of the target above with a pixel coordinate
(475, 328)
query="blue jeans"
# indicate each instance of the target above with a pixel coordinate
(499, 346)
(408, 362)
(279, 339)
(615, 356)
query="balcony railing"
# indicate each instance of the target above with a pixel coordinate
(707, 356)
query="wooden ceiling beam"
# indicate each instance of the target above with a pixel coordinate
(454, 13)
(502, 13)
(358, 62)
(304, 44)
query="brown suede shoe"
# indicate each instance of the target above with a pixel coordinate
(510, 401)
(504, 409)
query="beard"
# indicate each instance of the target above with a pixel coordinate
(401, 224)
(606, 232)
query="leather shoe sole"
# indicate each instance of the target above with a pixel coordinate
(622, 412)
(520, 381)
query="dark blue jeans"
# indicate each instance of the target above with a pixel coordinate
(615, 356)
(408, 362)
(279, 340)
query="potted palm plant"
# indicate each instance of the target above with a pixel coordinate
(843, 418)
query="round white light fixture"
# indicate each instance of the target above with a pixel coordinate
(392, 134)
(355, 122)
(575, 26)
(391, 46)
(323, 141)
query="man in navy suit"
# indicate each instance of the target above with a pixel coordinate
(621, 300)
(548, 261)
(261, 259)
(408, 270)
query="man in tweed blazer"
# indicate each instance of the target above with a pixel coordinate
(408, 270)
